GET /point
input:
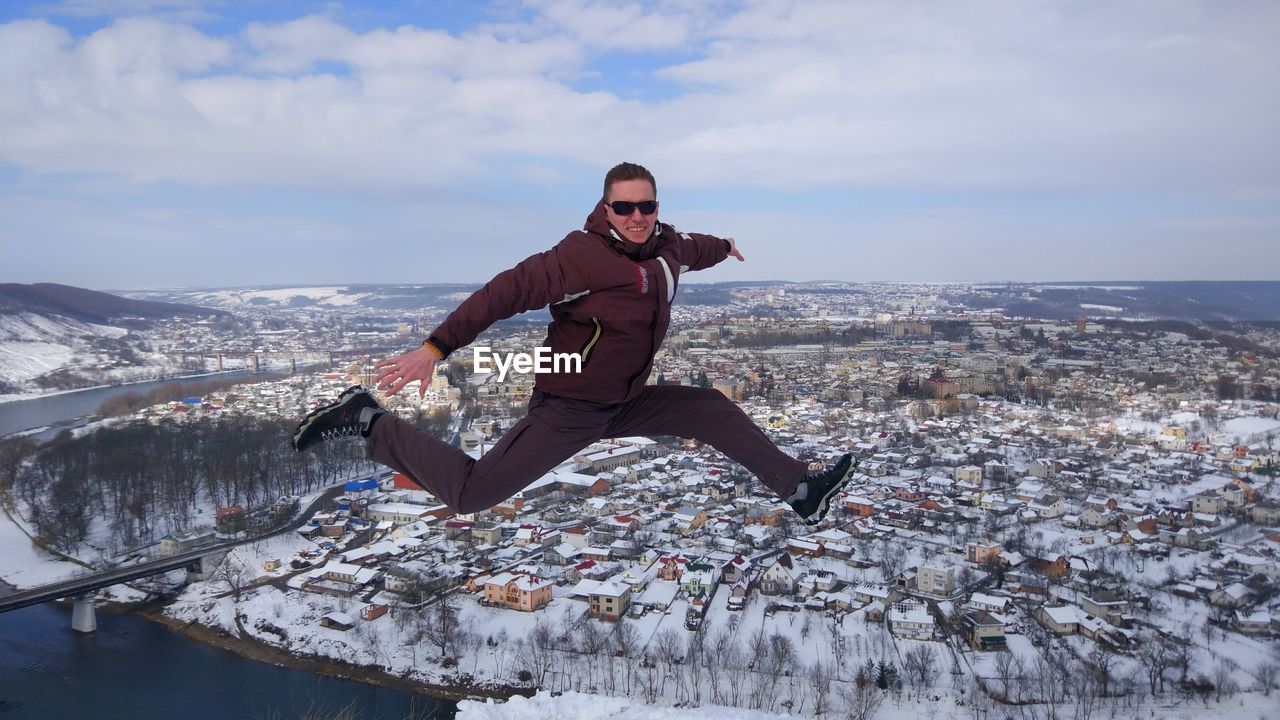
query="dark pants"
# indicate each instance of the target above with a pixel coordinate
(556, 428)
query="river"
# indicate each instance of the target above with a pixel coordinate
(132, 668)
(19, 415)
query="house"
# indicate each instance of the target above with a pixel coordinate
(1064, 620)
(1048, 506)
(374, 611)
(1208, 502)
(1108, 606)
(231, 519)
(1257, 622)
(982, 630)
(672, 567)
(734, 570)
(522, 592)
(1233, 596)
(1051, 567)
(1266, 512)
(911, 619)
(804, 546)
(738, 594)
(698, 578)
(1042, 468)
(936, 579)
(982, 551)
(860, 506)
(608, 600)
(689, 519)
(969, 473)
(485, 535)
(990, 603)
(816, 581)
(399, 513)
(337, 577)
(180, 542)
(779, 578)
(338, 621)
(867, 593)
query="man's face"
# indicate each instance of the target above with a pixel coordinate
(635, 227)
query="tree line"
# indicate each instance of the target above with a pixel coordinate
(142, 480)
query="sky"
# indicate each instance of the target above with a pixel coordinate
(214, 143)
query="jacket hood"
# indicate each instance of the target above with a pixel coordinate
(598, 224)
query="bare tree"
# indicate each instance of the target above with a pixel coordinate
(236, 573)
(591, 642)
(440, 624)
(1006, 665)
(781, 661)
(1101, 663)
(1223, 682)
(540, 644)
(1156, 658)
(920, 664)
(863, 700)
(669, 650)
(820, 680)
(625, 640)
(1266, 675)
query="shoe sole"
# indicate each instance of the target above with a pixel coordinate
(311, 416)
(817, 518)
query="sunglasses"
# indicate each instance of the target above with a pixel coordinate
(626, 207)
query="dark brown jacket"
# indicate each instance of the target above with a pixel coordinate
(610, 301)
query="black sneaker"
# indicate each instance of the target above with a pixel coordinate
(821, 487)
(341, 418)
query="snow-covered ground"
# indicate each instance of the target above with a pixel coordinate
(23, 565)
(581, 706)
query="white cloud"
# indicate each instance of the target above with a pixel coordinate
(173, 10)
(787, 94)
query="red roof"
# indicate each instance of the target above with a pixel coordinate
(404, 483)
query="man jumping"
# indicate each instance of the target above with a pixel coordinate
(610, 288)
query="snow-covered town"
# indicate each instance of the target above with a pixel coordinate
(1048, 519)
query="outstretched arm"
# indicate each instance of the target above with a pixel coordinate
(537, 281)
(697, 251)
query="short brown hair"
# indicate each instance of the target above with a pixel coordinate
(628, 171)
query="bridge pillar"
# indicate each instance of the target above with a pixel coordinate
(293, 366)
(255, 362)
(203, 568)
(219, 362)
(84, 618)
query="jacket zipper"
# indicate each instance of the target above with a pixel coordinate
(585, 352)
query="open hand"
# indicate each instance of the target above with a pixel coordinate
(733, 250)
(397, 372)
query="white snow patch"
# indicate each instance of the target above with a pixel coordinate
(580, 706)
(1250, 429)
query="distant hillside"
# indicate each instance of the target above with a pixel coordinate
(1231, 301)
(89, 305)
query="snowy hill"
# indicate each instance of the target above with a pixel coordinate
(329, 297)
(57, 336)
(91, 306)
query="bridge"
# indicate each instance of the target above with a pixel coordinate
(82, 587)
(198, 561)
(255, 360)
